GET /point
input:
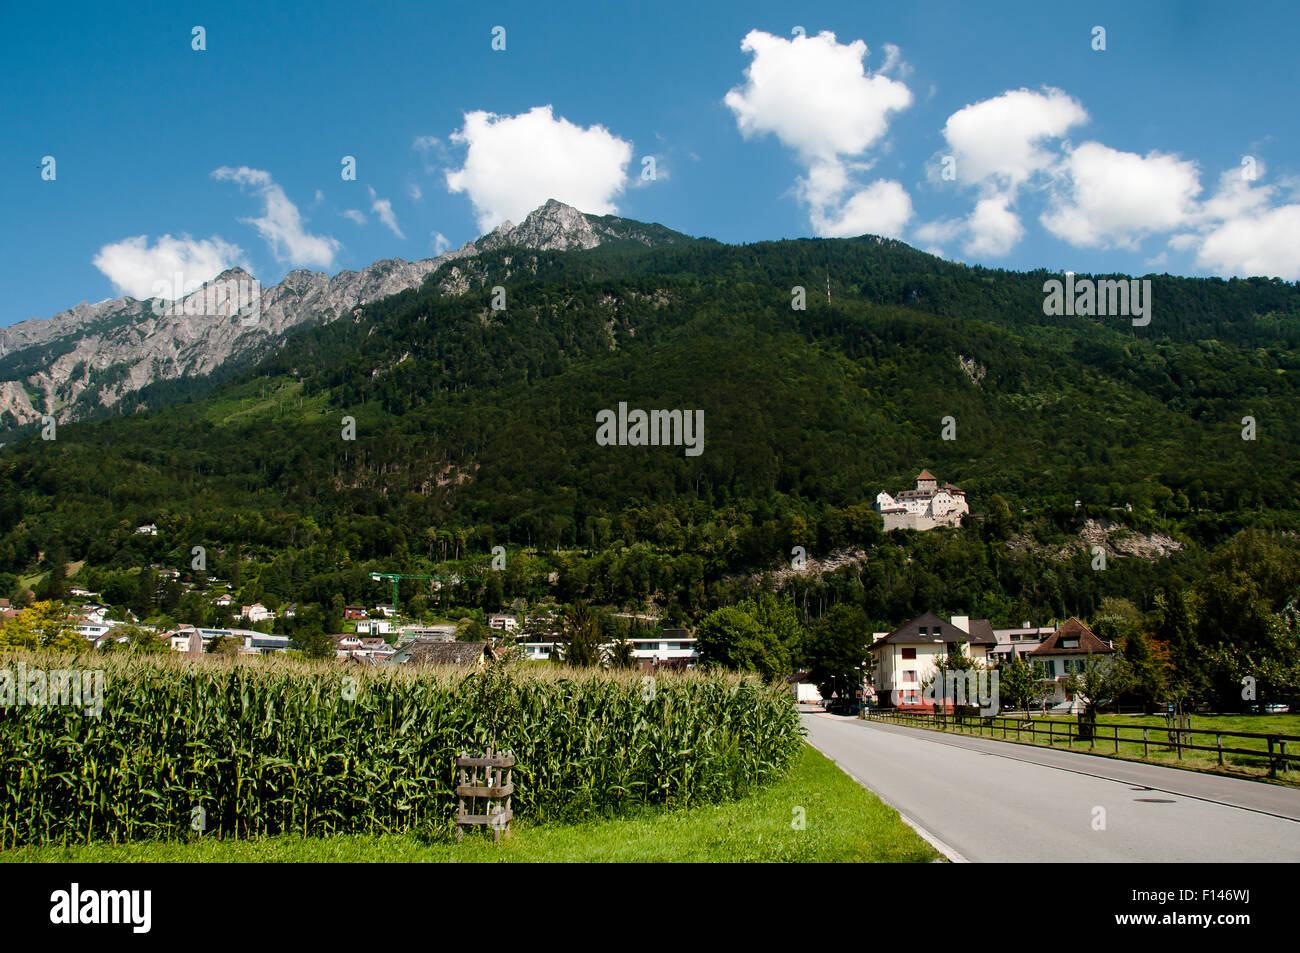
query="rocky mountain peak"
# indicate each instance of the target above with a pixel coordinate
(49, 365)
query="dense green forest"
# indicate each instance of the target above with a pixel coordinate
(475, 427)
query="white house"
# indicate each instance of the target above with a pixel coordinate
(503, 622)
(673, 646)
(374, 627)
(904, 660)
(1018, 642)
(149, 529)
(256, 613)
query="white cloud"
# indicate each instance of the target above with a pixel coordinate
(1240, 231)
(414, 192)
(817, 98)
(999, 142)
(1266, 244)
(882, 208)
(439, 243)
(993, 229)
(1107, 198)
(513, 164)
(384, 209)
(281, 224)
(354, 215)
(133, 265)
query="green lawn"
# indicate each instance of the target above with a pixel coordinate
(1157, 751)
(843, 823)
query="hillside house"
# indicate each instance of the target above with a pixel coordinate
(904, 660)
(256, 613)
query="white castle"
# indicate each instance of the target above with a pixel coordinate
(926, 507)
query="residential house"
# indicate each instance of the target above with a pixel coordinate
(503, 622)
(1018, 642)
(472, 654)
(149, 529)
(354, 612)
(903, 660)
(374, 627)
(347, 643)
(672, 648)
(1064, 653)
(256, 613)
(377, 648)
(441, 632)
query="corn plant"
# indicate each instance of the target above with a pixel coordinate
(254, 747)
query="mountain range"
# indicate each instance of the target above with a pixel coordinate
(462, 413)
(104, 358)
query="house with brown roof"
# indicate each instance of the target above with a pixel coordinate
(1064, 653)
(903, 660)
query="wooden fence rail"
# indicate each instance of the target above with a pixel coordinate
(1051, 732)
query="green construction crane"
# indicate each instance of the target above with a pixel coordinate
(397, 577)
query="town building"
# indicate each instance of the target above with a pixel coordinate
(904, 660)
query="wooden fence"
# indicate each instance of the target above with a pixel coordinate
(1025, 729)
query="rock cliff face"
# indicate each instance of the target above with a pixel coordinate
(94, 356)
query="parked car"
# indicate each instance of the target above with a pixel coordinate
(1273, 708)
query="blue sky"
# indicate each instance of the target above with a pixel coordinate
(1057, 155)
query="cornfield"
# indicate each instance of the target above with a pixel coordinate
(258, 747)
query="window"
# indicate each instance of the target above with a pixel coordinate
(909, 675)
(1069, 643)
(909, 653)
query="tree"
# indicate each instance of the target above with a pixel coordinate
(54, 586)
(312, 641)
(836, 650)
(146, 590)
(580, 635)
(731, 638)
(1103, 679)
(224, 645)
(472, 630)
(45, 625)
(1017, 683)
(778, 615)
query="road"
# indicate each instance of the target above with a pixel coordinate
(984, 800)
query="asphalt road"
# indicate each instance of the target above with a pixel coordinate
(984, 800)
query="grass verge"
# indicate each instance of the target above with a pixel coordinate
(843, 823)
